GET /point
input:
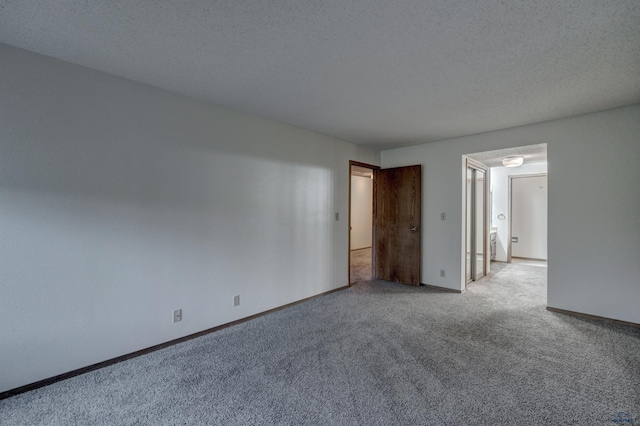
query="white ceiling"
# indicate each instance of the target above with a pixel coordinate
(530, 154)
(375, 72)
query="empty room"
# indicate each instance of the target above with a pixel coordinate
(256, 213)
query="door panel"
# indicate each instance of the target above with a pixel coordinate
(529, 217)
(469, 227)
(479, 204)
(397, 224)
(476, 221)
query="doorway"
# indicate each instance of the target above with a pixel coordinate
(385, 223)
(498, 211)
(477, 184)
(361, 202)
(397, 224)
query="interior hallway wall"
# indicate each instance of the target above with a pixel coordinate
(594, 214)
(361, 212)
(120, 202)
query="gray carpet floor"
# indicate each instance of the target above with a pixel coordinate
(377, 353)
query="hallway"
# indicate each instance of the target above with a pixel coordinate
(360, 265)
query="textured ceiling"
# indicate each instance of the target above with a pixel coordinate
(374, 72)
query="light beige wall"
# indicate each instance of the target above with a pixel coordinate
(120, 202)
(594, 213)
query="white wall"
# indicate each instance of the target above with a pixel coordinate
(361, 212)
(500, 184)
(594, 213)
(120, 202)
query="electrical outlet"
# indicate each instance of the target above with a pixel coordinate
(443, 216)
(236, 300)
(442, 273)
(177, 315)
(337, 216)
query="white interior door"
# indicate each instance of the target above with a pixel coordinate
(529, 217)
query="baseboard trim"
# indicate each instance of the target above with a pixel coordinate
(445, 289)
(594, 317)
(529, 258)
(60, 377)
(361, 248)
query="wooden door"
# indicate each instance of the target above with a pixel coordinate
(397, 224)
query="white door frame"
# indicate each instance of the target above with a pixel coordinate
(470, 163)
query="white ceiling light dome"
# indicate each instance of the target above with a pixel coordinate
(513, 161)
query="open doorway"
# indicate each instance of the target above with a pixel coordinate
(361, 199)
(385, 223)
(505, 167)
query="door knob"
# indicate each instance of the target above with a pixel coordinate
(413, 228)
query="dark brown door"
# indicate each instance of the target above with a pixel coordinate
(397, 224)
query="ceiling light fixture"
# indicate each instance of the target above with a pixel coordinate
(515, 161)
